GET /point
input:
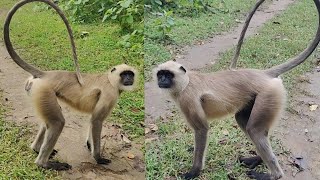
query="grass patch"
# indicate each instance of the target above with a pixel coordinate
(172, 154)
(41, 38)
(16, 157)
(274, 44)
(187, 30)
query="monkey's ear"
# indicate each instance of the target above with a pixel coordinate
(183, 69)
(113, 69)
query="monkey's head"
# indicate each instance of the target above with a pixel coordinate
(172, 76)
(123, 77)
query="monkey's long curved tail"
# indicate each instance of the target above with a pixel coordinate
(243, 32)
(300, 58)
(17, 59)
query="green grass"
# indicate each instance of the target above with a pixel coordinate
(169, 156)
(172, 154)
(16, 157)
(41, 39)
(187, 30)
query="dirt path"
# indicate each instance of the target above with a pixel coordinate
(71, 144)
(200, 56)
(300, 132)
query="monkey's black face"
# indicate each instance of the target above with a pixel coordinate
(165, 79)
(127, 78)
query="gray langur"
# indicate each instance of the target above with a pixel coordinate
(96, 94)
(256, 97)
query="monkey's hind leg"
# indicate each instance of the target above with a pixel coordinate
(265, 111)
(242, 118)
(36, 145)
(48, 108)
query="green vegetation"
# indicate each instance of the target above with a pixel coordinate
(186, 28)
(276, 42)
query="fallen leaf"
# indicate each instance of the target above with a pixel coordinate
(142, 124)
(125, 139)
(223, 141)
(149, 140)
(238, 21)
(135, 110)
(225, 132)
(130, 155)
(298, 162)
(153, 127)
(84, 34)
(147, 130)
(313, 107)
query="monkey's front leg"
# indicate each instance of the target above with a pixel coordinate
(94, 137)
(196, 119)
(201, 137)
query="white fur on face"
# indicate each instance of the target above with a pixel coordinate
(114, 77)
(181, 78)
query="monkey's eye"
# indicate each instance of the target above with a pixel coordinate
(169, 75)
(165, 73)
(127, 73)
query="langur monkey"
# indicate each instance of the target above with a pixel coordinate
(97, 95)
(256, 97)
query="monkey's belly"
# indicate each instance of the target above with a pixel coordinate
(215, 109)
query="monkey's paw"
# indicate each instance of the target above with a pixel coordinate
(251, 162)
(259, 176)
(57, 166)
(103, 161)
(191, 175)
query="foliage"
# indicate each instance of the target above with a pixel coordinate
(181, 7)
(164, 23)
(86, 11)
(127, 13)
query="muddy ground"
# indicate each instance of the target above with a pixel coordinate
(299, 132)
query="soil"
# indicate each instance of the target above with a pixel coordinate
(127, 157)
(299, 132)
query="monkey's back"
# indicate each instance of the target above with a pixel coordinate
(67, 88)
